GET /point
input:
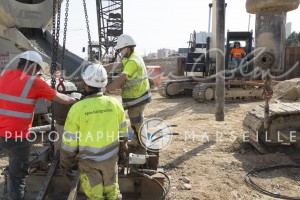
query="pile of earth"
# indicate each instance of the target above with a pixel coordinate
(288, 90)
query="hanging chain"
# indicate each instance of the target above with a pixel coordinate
(5, 185)
(87, 28)
(58, 22)
(55, 43)
(65, 34)
(267, 95)
(54, 46)
(55, 39)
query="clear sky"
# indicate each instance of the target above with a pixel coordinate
(158, 24)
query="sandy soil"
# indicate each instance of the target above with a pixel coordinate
(216, 160)
(208, 159)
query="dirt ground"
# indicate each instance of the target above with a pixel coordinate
(208, 159)
(216, 161)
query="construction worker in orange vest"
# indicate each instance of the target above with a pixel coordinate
(237, 53)
(19, 90)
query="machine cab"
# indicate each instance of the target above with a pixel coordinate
(238, 53)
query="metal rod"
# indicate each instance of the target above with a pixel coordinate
(209, 18)
(43, 192)
(74, 187)
(220, 62)
(249, 23)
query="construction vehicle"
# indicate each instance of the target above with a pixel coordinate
(33, 25)
(239, 82)
(267, 127)
(238, 75)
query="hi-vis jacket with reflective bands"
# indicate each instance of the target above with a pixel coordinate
(18, 94)
(92, 130)
(136, 89)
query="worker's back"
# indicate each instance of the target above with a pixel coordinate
(95, 121)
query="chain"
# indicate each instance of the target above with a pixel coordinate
(55, 43)
(267, 94)
(58, 22)
(5, 185)
(54, 46)
(87, 27)
(65, 34)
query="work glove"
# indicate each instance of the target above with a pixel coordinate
(76, 95)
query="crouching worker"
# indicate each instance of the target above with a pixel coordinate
(91, 137)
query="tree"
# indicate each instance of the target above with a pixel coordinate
(293, 39)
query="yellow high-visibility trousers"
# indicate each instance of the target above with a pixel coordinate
(99, 179)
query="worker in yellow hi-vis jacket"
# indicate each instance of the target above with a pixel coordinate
(135, 85)
(91, 137)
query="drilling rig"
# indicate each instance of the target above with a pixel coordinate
(278, 123)
(239, 84)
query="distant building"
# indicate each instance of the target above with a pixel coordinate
(201, 37)
(151, 55)
(163, 53)
(288, 29)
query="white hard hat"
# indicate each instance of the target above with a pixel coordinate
(34, 57)
(124, 41)
(95, 75)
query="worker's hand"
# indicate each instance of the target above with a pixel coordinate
(76, 95)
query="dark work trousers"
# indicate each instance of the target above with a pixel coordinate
(18, 153)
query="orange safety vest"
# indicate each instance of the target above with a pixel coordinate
(17, 102)
(237, 52)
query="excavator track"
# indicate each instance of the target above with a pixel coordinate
(175, 88)
(234, 90)
(284, 126)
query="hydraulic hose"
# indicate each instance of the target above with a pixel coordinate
(252, 184)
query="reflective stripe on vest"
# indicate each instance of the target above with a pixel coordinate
(21, 99)
(99, 151)
(17, 99)
(136, 101)
(16, 114)
(125, 135)
(122, 125)
(69, 148)
(133, 82)
(97, 154)
(27, 86)
(89, 150)
(70, 136)
(102, 157)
